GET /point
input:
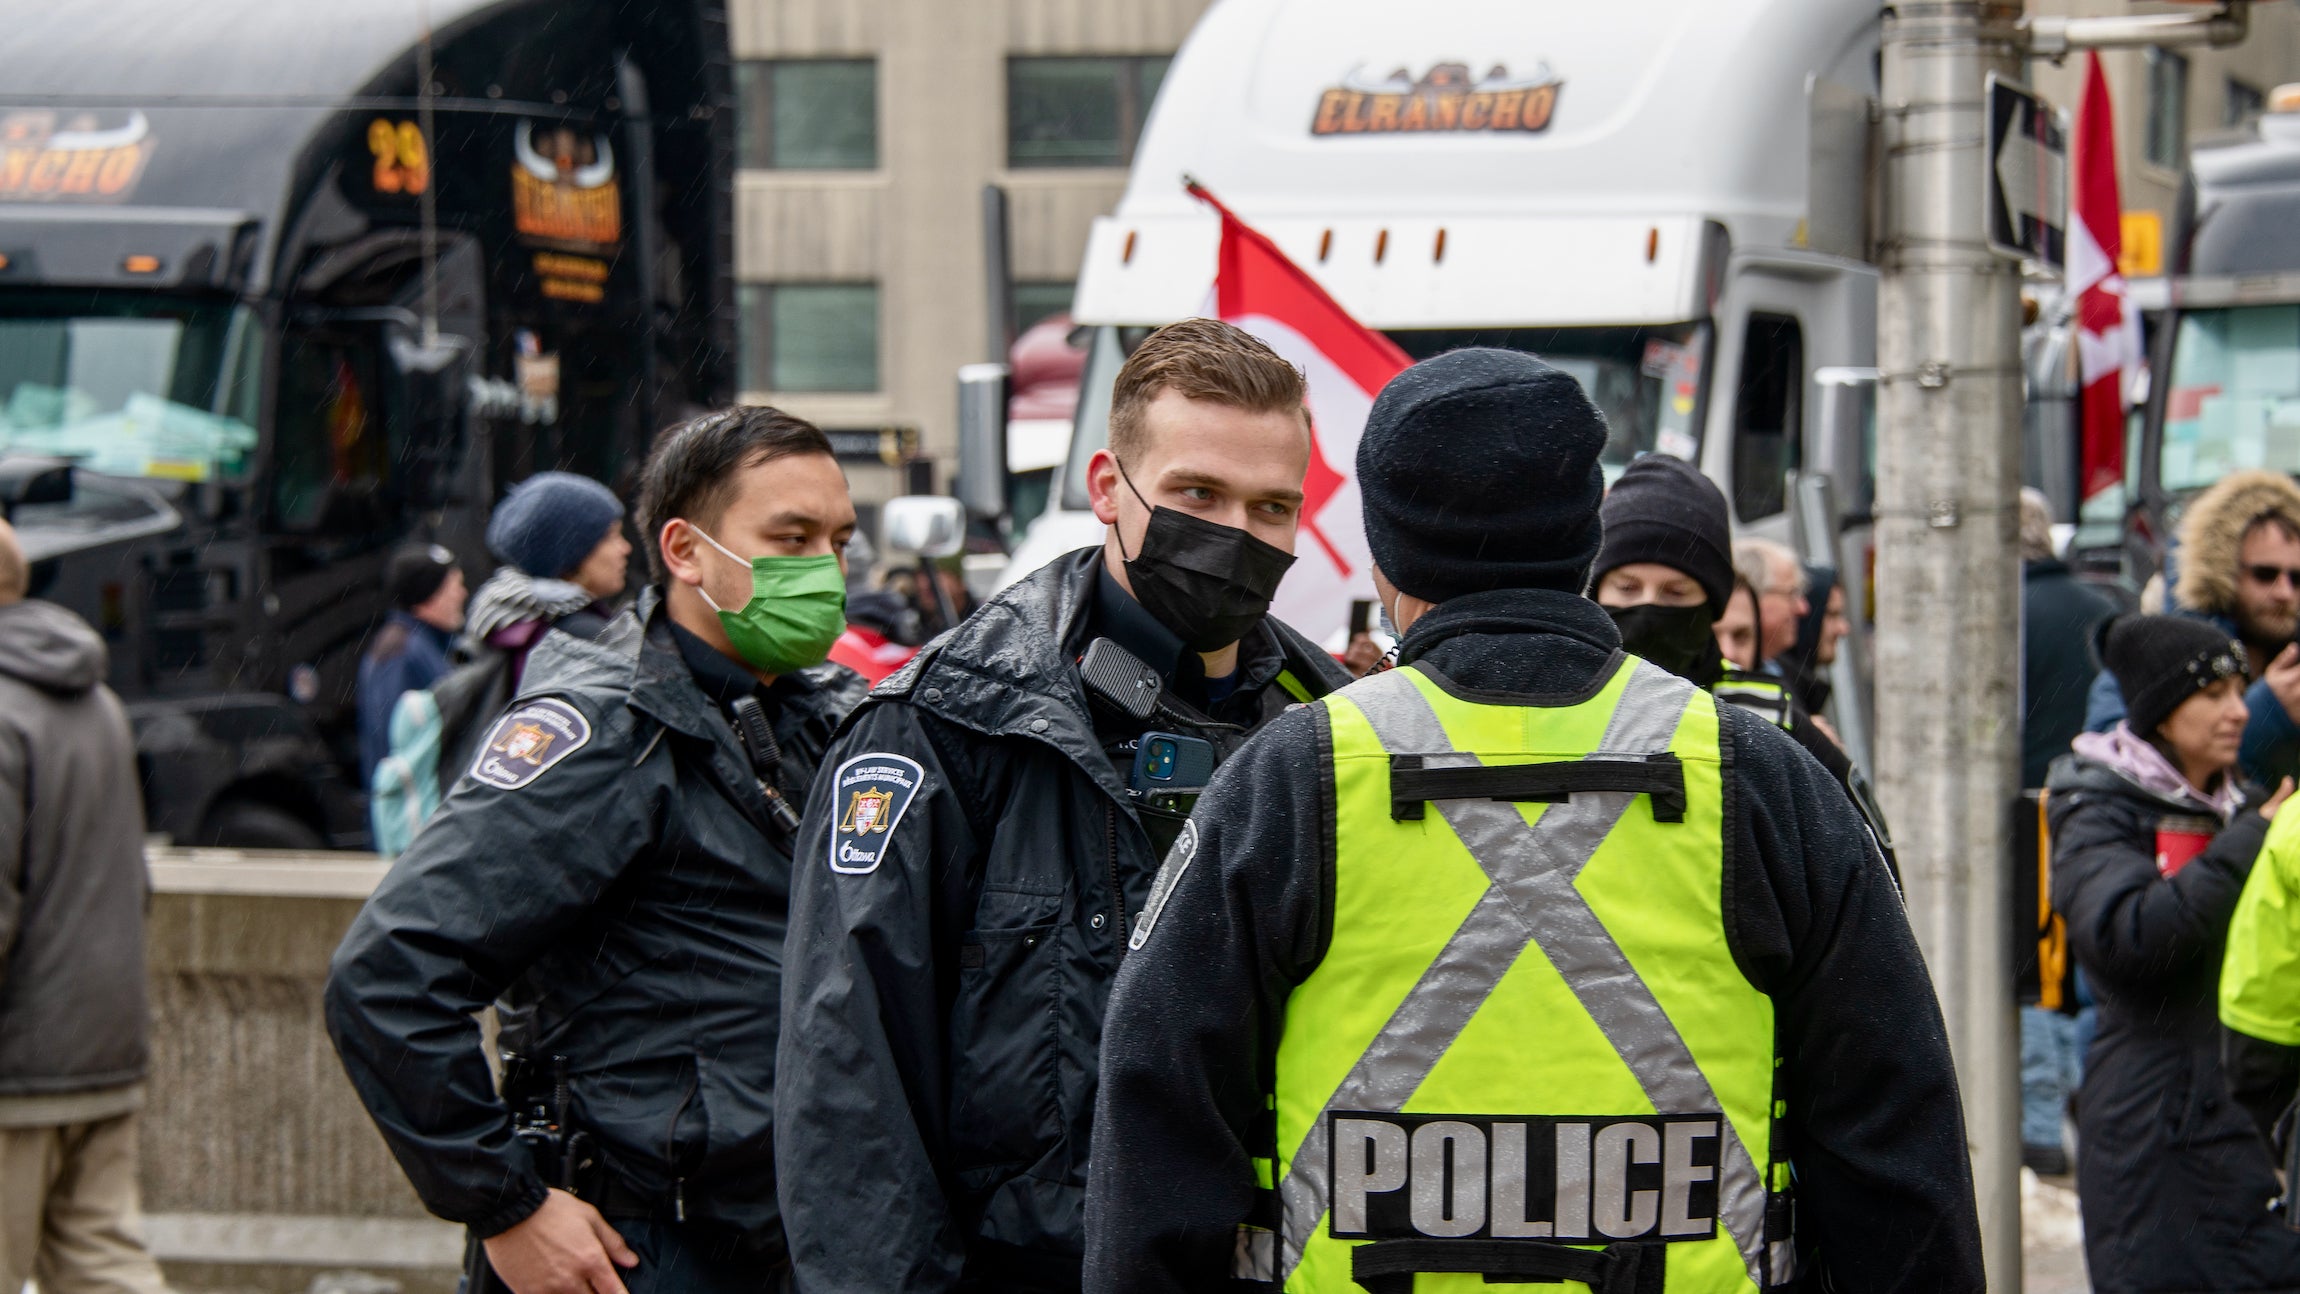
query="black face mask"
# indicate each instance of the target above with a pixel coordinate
(1207, 583)
(1681, 640)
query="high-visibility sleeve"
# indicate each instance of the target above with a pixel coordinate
(2260, 972)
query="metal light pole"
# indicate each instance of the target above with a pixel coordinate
(1948, 573)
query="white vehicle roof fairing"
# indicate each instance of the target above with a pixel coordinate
(1666, 114)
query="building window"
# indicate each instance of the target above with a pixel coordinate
(809, 336)
(1034, 302)
(812, 114)
(2167, 108)
(1078, 111)
(2244, 103)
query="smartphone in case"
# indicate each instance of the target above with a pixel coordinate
(1167, 762)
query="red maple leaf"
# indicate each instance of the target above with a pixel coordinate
(1319, 485)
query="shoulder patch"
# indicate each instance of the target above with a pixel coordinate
(869, 794)
(1162, 889)
(528, 741)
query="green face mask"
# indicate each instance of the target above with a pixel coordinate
(798, 608)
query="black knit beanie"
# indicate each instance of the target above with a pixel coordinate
(1478, 470)
(1664, 510)
(415, 573)
(2161, 661)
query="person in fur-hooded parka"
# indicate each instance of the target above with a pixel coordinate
(2212, 535)
(2245, 524)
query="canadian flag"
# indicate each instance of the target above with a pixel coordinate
(2108, 329)
(1345, 364)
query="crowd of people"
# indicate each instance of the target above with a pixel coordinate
(1069, 955)
(2164, 753)
(1121, 939)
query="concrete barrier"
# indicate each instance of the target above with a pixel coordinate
(260, 1168)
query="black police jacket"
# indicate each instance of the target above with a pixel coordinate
(610, 854)
(958, 911)
(1873, 1125)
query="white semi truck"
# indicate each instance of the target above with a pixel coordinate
(1669, 200)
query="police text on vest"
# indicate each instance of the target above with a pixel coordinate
(1570, 1178)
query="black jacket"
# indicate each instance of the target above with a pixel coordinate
(947, 973)
(72, 881)
(2174, 1180)
(1775, 701)
(2058, 614)
(624, 878)
(2263, 1076)
(1874, 1129)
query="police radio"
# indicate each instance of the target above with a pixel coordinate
(1118, 678)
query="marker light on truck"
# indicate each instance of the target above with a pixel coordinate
(1652, 243)
(1381, 246)
(140, 264)
(1437, 253)
(1126, 256)
(1325, 246)
(2285, 98)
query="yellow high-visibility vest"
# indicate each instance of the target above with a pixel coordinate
(1527, 1051)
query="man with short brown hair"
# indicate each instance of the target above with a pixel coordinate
(991, 822)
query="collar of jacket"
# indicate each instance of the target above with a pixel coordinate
(1113, 613)
(1511, 611)
(2073, 772)
(1007, 671)
(430, 633)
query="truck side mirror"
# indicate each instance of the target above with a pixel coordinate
(928, 525)
(982, 475)
(26, 479)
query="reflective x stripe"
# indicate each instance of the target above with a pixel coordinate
(1531, 899)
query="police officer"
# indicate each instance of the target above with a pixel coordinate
(1665, 572)
(1524, 960)
(982, 839)
(617, 860)
(2260, 992)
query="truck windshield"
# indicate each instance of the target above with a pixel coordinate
(128, 385)
(2234, 399)
(1646, 381)
(1649, 381)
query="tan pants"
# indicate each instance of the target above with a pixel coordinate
(68, 1212)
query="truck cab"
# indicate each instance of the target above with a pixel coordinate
(1669, 202)
(284, 286)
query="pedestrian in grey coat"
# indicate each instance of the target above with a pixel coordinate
(72, 1016)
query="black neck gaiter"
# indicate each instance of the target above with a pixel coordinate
(1682, 640)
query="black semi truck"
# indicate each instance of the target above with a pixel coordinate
(285, 285)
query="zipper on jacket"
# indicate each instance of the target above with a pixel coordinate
(1117, 888)
(671, 1147)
